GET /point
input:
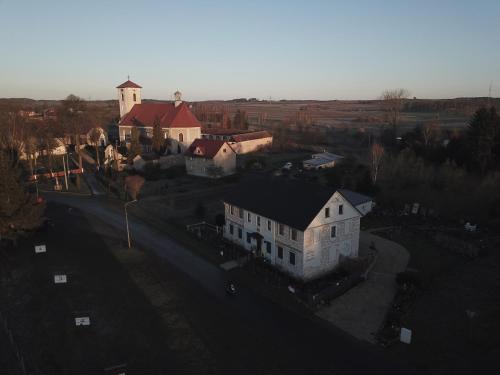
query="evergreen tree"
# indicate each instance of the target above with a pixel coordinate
(19, 212)
(158, 140)
(483, 138)
(135, 144)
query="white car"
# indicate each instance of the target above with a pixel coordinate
(287, 166)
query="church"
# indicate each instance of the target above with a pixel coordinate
(179, 126)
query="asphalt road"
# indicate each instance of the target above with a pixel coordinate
(247, 333)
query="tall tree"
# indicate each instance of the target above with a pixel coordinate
(19, 212)
(392, 102)
(377, 153)
(95, 139)
(240, 120)
(158, 138)
(135, 144)
(483, 138)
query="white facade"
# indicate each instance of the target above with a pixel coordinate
(333, 233)
(225, 159)
(179, 138)
(253, 145)
(127, 98)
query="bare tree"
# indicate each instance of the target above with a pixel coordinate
(430, 132)
(377, 154)
(95, 139)
(392, 101)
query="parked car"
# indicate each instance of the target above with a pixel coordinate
(287, 166)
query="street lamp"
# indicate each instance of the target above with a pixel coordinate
(126, 220)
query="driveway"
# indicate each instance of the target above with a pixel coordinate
(361, 311)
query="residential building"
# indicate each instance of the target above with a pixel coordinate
(303, 229)
(322, 160)
(178, 124)
(210, 158)
(242, 141)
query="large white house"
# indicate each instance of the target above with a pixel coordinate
(178, 124)
(304, 229)
(210, 158)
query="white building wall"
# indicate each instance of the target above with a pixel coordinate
(322, 252)
(126, 99)
(253, 145)
(198, 166)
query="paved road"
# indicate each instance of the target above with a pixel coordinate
(248, 334)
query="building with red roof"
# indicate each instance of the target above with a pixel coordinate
(210, 158)
(242, 141)
(178, 124)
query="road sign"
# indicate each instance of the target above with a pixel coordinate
(82, 321)
(60, 279)
(405, 335)
(40, 249)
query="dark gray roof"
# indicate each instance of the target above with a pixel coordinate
(291, 202)
(353, 197)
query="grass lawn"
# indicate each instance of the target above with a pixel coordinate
(125, 327)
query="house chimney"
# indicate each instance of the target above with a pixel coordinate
(178, 98)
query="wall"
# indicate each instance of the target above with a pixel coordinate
(252, 145)
(128, 99)
(322, 252)
(269, 235)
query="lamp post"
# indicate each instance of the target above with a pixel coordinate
(126, 220)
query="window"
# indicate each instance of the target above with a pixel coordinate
(292, 258)
(258, 221)
(327, 212)
(269, 225)
(231, 229)
(240, 233)
(231, 210)
(268, 247)
(248, 238)
(135, 97)
(181, 137)
(293, 234)
(341, 209)
(123, 98)
(333, 232)
(249, 217)
(281, 229)
(241, 213)
(280, 252)
(223, 150)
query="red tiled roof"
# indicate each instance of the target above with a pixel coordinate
(206, 148)
(128, 84)
(251, 136)
(218, 131)
(168, 114)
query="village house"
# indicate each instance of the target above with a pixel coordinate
(210, 158)
(242, 141)
(178, 124)
(301, 228)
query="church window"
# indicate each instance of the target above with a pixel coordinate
(123, 98)
(135, 97)
(181, 137)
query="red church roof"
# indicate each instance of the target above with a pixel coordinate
(206, 148)
(129, 84)
(168, 115)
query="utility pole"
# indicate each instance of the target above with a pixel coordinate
(65, 173)
(126, 220)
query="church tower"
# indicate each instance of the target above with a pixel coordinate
(129, 94)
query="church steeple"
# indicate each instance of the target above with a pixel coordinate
(129, 94)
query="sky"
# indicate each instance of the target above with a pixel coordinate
(278, 49)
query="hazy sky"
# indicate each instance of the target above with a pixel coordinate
(226, 49)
